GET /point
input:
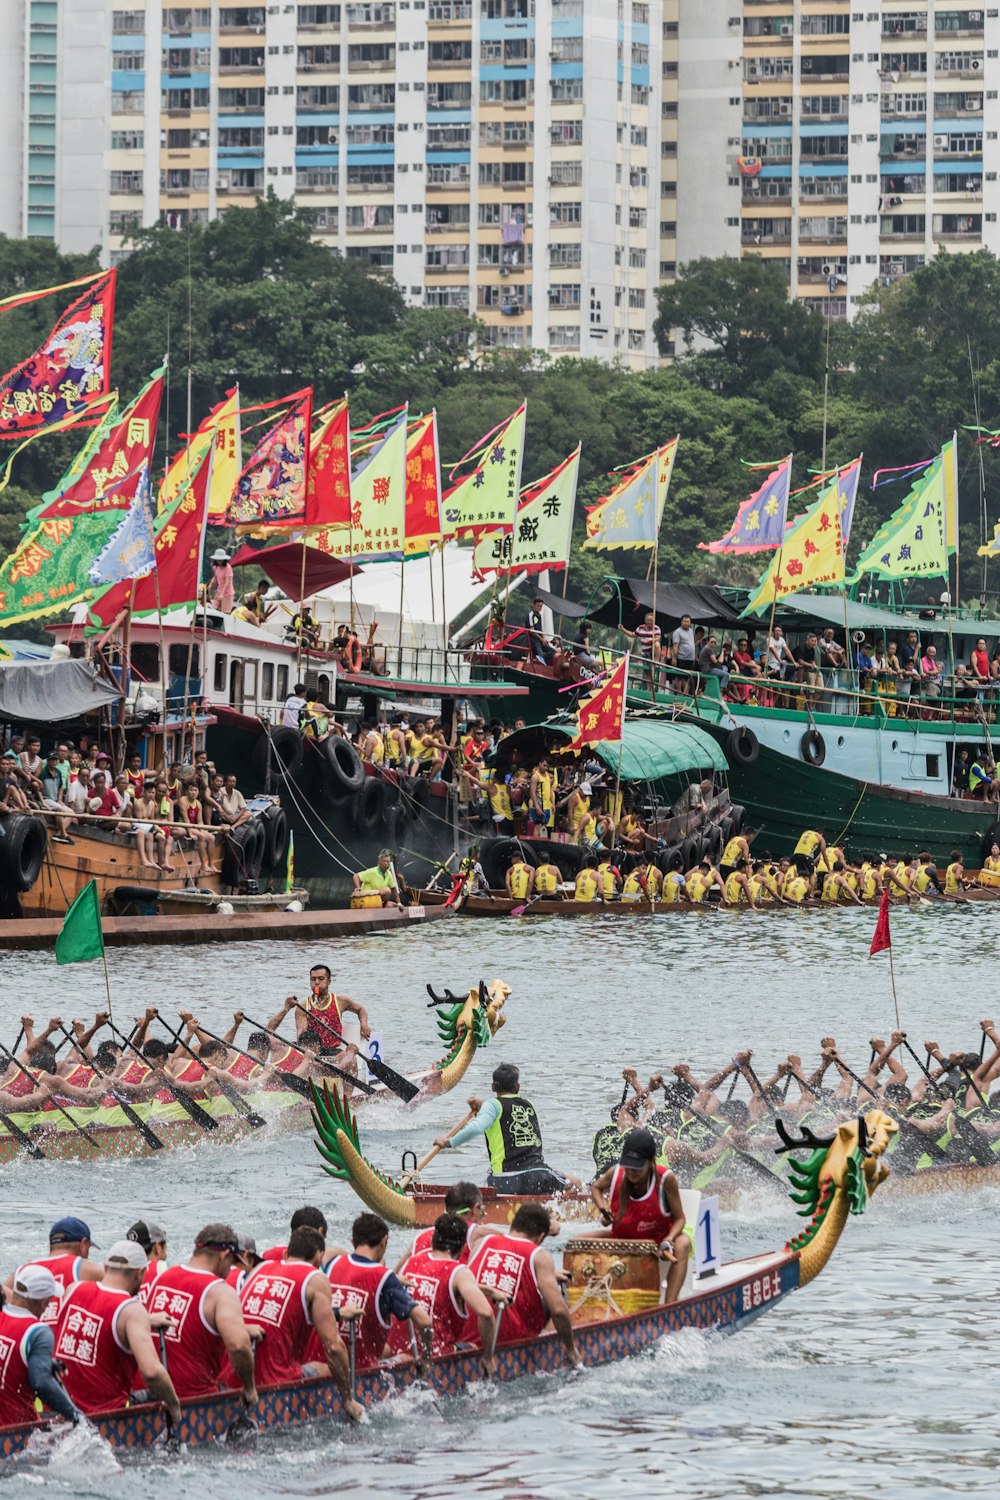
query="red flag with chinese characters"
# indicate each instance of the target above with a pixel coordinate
(602, 712)
(179, 547)
(69, 370)
(110, 476)
(423, 487)
(881, 939)
(328, 488)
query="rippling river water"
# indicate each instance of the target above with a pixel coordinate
(880, 1380)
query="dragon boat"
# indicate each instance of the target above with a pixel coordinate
(614, 1295)
(499, 904)
(464, 1026)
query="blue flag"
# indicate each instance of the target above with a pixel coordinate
(128, 552)
(760, 521)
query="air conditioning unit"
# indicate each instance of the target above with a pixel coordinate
(895, 268)
(975, 18)
(973, 101)
(976, 64)
(941, 142)
(784, 107)
(921, 24)
(827, 268)
(786, 30)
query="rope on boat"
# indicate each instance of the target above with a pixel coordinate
(598, 1289)
(850, 820)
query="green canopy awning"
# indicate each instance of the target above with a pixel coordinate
(651, 749)
(829, 608)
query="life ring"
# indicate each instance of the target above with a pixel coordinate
(742, 745)
(243, 854)
(368, 807)
(351, 658)
(275, 824)
(670, 860)
(813, 747)
(22, 851)
(283, 745)
(342, 764)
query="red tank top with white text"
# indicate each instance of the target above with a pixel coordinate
(431, 1282)
(100, 1371)
(358, 1281)
(66, 1270)
(17, 1402)
(504, 1263)
(195, 1351)
(274, 1298)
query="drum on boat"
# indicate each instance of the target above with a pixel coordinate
(362, 899)
(610, 1278)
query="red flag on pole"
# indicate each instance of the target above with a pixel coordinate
(881, 939)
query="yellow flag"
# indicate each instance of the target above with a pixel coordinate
(812, 553)
(223, 420)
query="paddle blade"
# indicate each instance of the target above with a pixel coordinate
(393, 1080)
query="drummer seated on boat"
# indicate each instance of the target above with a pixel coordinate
(362, 1279)
(380, 878)
(439, 1280)
(640, 1200)
(513, 1139)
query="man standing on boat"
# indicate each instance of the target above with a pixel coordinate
(513, 1139)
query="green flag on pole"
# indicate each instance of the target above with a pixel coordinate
(82, 936)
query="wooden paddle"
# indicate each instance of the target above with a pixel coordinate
(149, 1135)
(227, 1091)
(758, 1167)
(408, 1177)
(24, 1140)
(964, 1130)
(291, 1080)
(34, 1082)
(191, 1107)
(931, 1148)
(394, 1081)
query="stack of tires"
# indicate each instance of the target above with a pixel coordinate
(257, 848)
(24, 841)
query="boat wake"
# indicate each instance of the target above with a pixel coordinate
(64, 1451)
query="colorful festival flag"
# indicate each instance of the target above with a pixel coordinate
(485, 499)
(543, 527)
(881, 938)
(814, 546)
(106, 473)
(423, 487)
(919, 536)
(179, 547)
(69, 370)
(271, 491)
(760, 521)
(290, 863)
(630, 516)
(48, 570)
(602, 712)
(129, 552)
(378, 504)
(224, 422)
(81, 936)
(328, 489)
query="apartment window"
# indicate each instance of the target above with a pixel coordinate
(125, 22)
(314, 135)
(489, 174)
(371, 96)
(564, 213)
(372, 55)
(175, 180)
(126, 182)
(236, 137)
(313, 58)
(241, 57)
(564, 294)
(564, 89)
(130, 62)
(132, 102)
(367, 216)
(447, 255)
(449, 10)
(372, 255)
(240, 180)
(447, 137)
(449, 95)
(370, 135)
(506, 10)
(637, 259)
(380, 13)
(318, 177)
(319, 15)
(317, 96)
(517, 173)
(128, 140)
(564, 255)
(567, 49)
(564, 338)
(441, 54)
(241, 99)
(379, 176)
(566, 173)
(121, 220)
(447, 296)
(489, 213)
(566, 133)
(448, 174)
(638, 135)
(239, 17)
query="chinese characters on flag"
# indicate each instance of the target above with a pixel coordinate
(108, 473)
(423, 487)
(601, 713)
(69, 370)
(328, 489)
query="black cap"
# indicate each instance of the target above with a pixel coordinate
(638, 1149)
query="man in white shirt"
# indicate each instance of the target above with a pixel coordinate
(294, 704)
(779, 656)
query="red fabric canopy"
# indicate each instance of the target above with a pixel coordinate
(283, 565)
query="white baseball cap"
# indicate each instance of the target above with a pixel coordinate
(125, 1255)
(35, 1282)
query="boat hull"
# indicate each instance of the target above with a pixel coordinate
(741, 1292)
(112, 860)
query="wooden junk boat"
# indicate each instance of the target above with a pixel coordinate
(614, 1294)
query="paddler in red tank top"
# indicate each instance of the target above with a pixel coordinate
(362, 1282)
(104, 1339)
(207, 1323)
(68, 1260)
(515, 1269)
(290, 1301)
(152, 1240)
(447, 1290)
(26, 1343)
(640, 1200)
(465, 1201)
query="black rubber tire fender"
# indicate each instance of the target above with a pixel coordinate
(398, 826)
(342, 766)
(275, 823)
(243, 854)
(738, 814)
(671, 859)
(22, 851)
(497, 855)
(742, 746)
(712, 842)
(690, 853)
(813, 747)
(285, 746)
(368, 807)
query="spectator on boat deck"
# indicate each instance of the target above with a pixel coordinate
(77, 793)
(581, 646)
(542, 648)
(710, 663)
(255, 604)
(807, 657)
(779, 658)
(222, 591)
(930, 674)
(30, 757)
(964, 691)
(104, 800)
(960, 774)
(233, 805)
(189, 815)
(52, 798)
(982, 778)
(865, 666)
(979, 661)
(315, 721)
(909, 651)
(305, 627)
(62, 756)
(293, 706)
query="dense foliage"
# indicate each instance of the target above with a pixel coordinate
(251, 298)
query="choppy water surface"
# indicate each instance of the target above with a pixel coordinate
(880, 1380)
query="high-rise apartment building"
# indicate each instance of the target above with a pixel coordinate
(500, 156)
(845, 144)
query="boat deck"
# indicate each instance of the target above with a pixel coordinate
(241, 926)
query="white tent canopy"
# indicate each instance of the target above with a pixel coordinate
(376, 596)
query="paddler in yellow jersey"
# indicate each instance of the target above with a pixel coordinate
(548, 878)
(701, 880)
(869, 886)
(989, 875)
(926, 877)
(587, 886)
(737, 888)
(609, 878)
(954, 877)
(371, 745)
(578, 809)
(829, 858)
(794, 887)
(643, 884)
(836, 886)
(519, 880)
(903, 872)
(737, 848)
(501, 807)
(631, 833)
(764, 884)
(541, 799)
(810, 848)
(889, 879)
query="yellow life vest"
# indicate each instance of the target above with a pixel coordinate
(580, 811)
(760, 892)
(953, 878)
(853, 881)
(732, 852)
(587, 829)
(808, 842)
(673, 889)
(869, 882)
(520, 874)
(413, 744)
(826, 862)
(796, 889)
(633, 884)
(377, 752)
(500, 801)
(586, 886)
(547, 880)
(606, 878)
(697, 885)
(735, 891)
